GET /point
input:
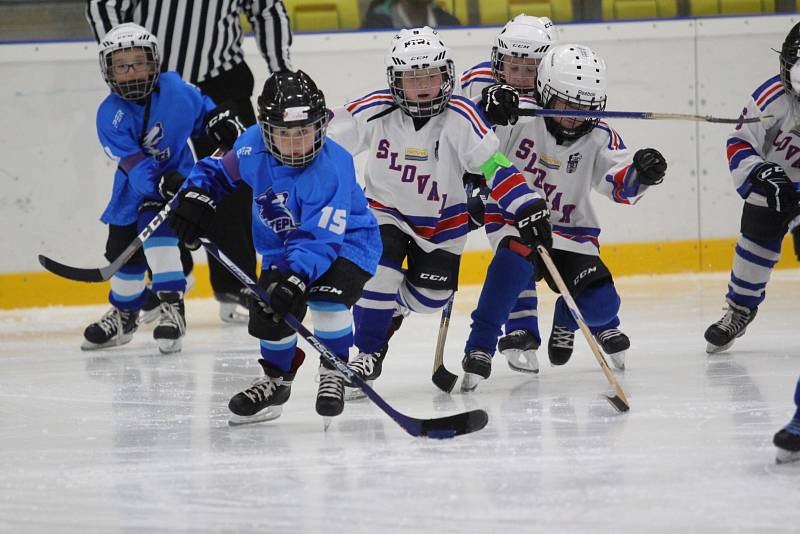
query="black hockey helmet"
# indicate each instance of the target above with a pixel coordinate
(790, 54)
(291, 105)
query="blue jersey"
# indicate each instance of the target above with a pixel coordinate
(303, 218)
(144, 153)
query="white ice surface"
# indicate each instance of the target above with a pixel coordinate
(127, 440)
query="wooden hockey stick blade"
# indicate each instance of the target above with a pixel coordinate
(444, 379)
(645, 115)
(618, 404)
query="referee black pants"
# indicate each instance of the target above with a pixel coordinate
(232, 230)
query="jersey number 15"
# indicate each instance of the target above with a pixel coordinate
(333, 220)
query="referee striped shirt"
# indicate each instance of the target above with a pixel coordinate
(203, 38)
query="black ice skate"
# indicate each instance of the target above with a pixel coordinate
(614, 344)
(477, 365)
(787, 441)
(330, 395)
(151, 310)
(264, 399)
(560, 345)
(723, 333)
(368, 367)
(171, 323)
(234, 306)
(519, 348)
(115, 328)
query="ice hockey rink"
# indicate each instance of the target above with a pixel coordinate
(127, 440)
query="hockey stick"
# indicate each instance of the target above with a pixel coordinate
(438, 428)
(101, 274)
(647, 115)
(442, 378)
(619, 401)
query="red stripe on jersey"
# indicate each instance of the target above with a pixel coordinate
(353, 105)
(471, 112)
(619, 185)
(477, 72)
(766, 94)
(502, 189)
(736, 147)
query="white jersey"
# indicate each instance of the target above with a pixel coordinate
(473, 80)
(776, 140)
(565, 174)
(413, 179)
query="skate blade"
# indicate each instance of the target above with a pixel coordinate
(352, 393)
(522, 361)
(326, 422)
(169, 346)
(618, 360)
(228, 313)
(267, 414)
(116, 342)
(782, 456)
(470, 381)
(714, 349)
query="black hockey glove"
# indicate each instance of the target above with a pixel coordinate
(650, 165)
(770, 180)
(501, 104)
(477, 195)
(193, 216)
(169, 184)
(224, 126)
(533, 223)
(287, 294)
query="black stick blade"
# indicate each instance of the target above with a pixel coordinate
(72, 273)
(454, 425)
(444, 379)
(618, 404)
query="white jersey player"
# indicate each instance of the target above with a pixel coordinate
(764, 160)
(420, 140)
(564, 159)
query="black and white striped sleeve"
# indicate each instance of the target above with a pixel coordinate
(105, 14)
(273, 34)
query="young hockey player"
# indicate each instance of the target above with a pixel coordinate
(787, 440)
(565, 159)
(765, 166)
(144, 125)
(420, 140)
(318, 240)
(516, 55)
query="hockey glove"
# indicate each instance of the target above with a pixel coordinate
(477, 196)
(533, 223)
(771, 181)
(650, 165)
(224, 126)
(193, 216)
(169, 184)
(500, 102)
(286, 294)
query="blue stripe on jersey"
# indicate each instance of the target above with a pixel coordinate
(764, 86)
(614, 139)
(577, 230)
(772, 99)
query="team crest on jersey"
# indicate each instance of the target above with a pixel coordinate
(273, 212)
(416, 154)
(151, 141)
(572, 162)
(550, 162)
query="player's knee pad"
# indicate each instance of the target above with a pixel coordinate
(599, 302)
(119, 237)
(579, 271)
(343, 283)
(423, 299)
(436, 270)
(763, 224)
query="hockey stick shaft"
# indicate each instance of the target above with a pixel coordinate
(620, 402)
(646, 115)
(102, 274)
(443, 427)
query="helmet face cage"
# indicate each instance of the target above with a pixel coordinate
(138, 87)
(422, 108)
(294, 145)
(554, 125)
(501, 63)
(789, 57)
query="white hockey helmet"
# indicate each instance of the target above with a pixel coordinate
(572, 76)
(416, 57)
(128, 37)
(518, 49)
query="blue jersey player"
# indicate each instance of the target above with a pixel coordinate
(143, 125)
(319, 241)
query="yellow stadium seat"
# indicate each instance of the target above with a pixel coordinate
(701, 8)
(459, 8)
(498, 12)
(322, 15)
(639, 9)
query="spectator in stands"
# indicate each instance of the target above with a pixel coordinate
(406, 14)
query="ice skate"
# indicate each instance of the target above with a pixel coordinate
(787, 442)
(721, 335)
(519, 348)
(264, 399)
(151, 310)
(172, 322)
(330, 395)
(614, 344)
(233, 307)
(115, 328)
(366, 366)
(477, 366)
(560, 345)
